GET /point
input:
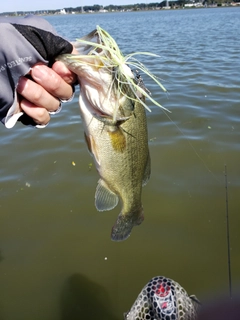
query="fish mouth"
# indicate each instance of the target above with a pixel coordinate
(99, 43)
(95, 108)
(99, 60)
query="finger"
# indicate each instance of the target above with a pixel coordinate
(38, 114)
(67, 75)
(75, 51)
(36, 94)
(61, 69)
(52, 82)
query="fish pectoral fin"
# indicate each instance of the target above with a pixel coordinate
(105, 199)
(147, 171)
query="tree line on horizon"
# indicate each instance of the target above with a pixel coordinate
(135, 7)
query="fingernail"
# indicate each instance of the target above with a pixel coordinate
(39, 73)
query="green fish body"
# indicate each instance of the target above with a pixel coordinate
(115, 128)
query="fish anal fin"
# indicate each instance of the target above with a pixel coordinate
(147, 172)
(105, 199)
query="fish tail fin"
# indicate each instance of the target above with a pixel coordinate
(124, 224)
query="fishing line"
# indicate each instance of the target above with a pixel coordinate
(190, 144)
(226, 201)
(228, 236)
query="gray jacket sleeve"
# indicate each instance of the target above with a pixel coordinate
(24, 42)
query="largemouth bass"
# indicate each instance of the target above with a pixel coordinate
(161, 299)
(112, 107)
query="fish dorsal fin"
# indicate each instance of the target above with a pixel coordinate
(147, 171)
(105, 199)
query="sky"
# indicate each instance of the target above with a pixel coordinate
(34, 5)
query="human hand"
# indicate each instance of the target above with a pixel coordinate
(43, 93)
(32, 83)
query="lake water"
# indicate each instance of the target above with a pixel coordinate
(57, 261)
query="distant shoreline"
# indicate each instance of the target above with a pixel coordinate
(174, 5)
